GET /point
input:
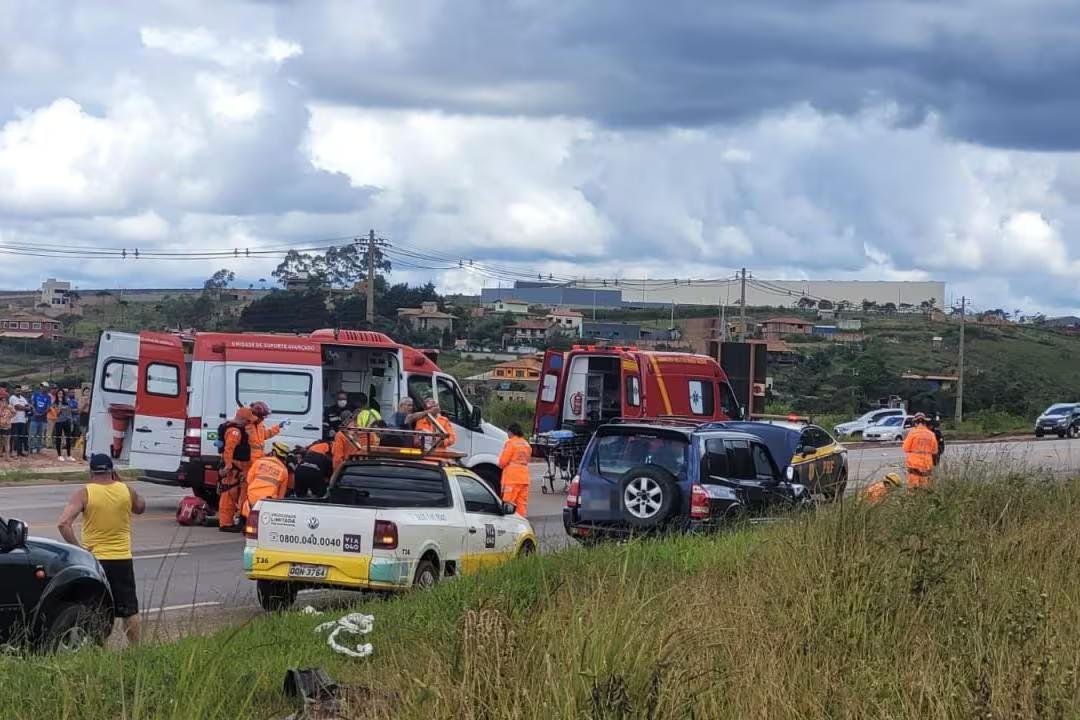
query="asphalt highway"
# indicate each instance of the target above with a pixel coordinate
(181, 568)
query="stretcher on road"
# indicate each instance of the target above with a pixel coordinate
(562, 449)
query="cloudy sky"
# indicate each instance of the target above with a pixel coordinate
(609, 138)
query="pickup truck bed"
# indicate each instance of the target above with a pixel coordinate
(383, 526)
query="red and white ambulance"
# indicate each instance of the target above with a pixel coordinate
(590, 385)
(158, 399)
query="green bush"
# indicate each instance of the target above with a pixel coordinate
(502, 413)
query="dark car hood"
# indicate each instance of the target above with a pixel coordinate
(54, 554)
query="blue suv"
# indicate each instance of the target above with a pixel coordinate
(640, 478)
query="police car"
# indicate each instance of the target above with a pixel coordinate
(396, 519)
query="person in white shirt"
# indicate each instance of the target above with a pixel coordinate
(20, 436)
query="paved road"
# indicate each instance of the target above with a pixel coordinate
(179, 567)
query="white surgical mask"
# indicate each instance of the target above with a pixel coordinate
(342, 403)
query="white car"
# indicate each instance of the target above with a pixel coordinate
(871, 418)
(894, 428)
(385, 525)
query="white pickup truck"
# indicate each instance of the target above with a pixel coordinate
(384, 525)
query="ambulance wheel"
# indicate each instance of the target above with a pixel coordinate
(275, 596)
(427, 575)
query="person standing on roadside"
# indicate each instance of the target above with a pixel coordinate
(258, 433)
(40, 404)
(7, 417)
(106, 505)
(514, 462)
(236, 461)
(63, 425)
(84, 410)
(20, 433)
(920, 447)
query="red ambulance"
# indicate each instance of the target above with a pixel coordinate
(591, 385)
(158, 399)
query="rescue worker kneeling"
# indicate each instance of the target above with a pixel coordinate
(514, 462)
(920, 448)
(877, 491)
(314, 471)
(268, 478)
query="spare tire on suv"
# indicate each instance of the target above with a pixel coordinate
(650, 495)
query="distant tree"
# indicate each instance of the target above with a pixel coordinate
(339, 267)
(287, 312)
(869, 306)
(826, 305)
(219, 281)
(889, 308)
(558, 340)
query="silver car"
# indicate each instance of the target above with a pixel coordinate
(893, 428)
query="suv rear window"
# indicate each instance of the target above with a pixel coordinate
(617, 453)
(383, 486)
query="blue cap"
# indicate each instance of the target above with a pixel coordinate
(100, 463)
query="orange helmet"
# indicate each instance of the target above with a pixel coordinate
(260, 409)
(245, 415)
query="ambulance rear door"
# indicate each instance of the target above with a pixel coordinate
(631, 386)
(116, 380)
(284, 373)
(160, 405)
(549, 393)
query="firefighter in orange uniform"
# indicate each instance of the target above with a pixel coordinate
(348, 434)
(236, 461)
(920, 447)
(268, 477)
(876, 492)
(433, 417)
(257, 431)
(514, 462)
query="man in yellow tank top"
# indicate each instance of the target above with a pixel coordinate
(106, 505)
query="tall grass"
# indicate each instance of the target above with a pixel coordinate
(961, 602)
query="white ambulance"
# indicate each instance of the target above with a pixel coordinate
(158, 399)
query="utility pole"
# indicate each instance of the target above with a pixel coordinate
(960, 375)
(742, 306)
(372, 243)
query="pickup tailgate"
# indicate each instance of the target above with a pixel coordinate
(312, 542)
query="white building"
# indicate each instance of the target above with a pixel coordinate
(56, 297)
(905, 296)
(567, 321)
(514, 307)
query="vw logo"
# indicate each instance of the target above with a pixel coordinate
(313, 523)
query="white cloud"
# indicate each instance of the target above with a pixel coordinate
(200, 44)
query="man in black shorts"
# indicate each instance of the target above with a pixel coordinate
(106, 505)
(313, 473)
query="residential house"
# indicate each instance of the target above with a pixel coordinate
(780, 353)
(566, 321)
(514, 307)
(30, 327)
(528, 332)
(525, 369)
(613, 331)
(56, 298)
(777, 328)
(427, 317)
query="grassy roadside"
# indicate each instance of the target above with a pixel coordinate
(958, 603)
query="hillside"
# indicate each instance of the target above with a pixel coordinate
(1011, 369)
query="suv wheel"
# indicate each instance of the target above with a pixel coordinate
(648, 496)
(75, 626)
